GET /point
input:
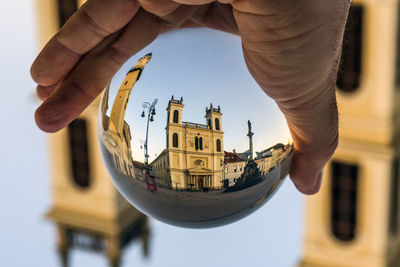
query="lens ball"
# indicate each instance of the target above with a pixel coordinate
(188, 137)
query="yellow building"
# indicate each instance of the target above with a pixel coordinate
(194, 156)
(116, 134)
(86, 208)
(354, 220)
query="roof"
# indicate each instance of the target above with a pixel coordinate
(277, 146)
(231, 157)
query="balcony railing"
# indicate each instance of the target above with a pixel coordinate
(198, 125)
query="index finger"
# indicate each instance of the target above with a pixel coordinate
(94, 21)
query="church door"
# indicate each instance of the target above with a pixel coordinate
(200, 182)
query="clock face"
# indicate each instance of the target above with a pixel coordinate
(225, 149)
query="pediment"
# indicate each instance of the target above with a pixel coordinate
(199, 170)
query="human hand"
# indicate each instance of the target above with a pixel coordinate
(292, 49)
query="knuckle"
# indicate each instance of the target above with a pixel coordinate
(94, 26)
(82, 90)
(118, 55)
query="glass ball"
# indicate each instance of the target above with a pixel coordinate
(187, 135)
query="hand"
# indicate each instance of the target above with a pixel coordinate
(291, 48)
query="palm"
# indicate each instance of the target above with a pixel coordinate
(291, 48)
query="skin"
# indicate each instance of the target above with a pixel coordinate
(291, 48)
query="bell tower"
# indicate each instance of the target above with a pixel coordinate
(354, 220)
(175, 139)
(86, 208)
(214, 121)
(174, 110)
(174, 123)
(213, 118)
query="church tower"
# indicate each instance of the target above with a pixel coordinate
(117, 117)
(174, 123)
(86, 208)
(214, 121)
(174, 111)
(213, 118)
(175, 135)
(354, 220)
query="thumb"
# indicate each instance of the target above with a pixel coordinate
(315, 141)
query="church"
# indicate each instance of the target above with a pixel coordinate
(194, 155)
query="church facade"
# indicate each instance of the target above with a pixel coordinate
(194, 155)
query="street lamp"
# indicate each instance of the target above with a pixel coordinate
(151, 112)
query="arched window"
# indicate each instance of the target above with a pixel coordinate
(217, 124)
(79, 152)
(176, 116)
(175, 140)
(218, 145)
(196, 143)
(344, 200)
(201, 143)
(209, 123)
(348, 79)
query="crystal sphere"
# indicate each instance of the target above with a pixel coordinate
(199, 144)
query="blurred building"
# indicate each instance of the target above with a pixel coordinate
(194, 156)
(89, 213)
(354, 220)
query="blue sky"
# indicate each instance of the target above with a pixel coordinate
(272, 236)
(203, 66)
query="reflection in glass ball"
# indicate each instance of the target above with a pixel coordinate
(173, 151)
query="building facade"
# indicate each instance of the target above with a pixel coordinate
(194, 154)
(233, 168)
(354, 220)
(87, 210)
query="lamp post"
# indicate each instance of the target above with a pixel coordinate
(151, 112)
